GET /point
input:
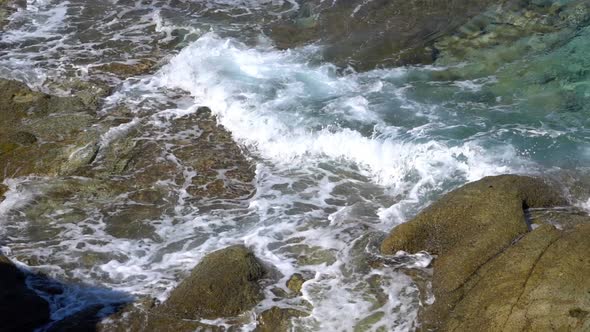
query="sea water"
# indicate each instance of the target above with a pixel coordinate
(340, 157)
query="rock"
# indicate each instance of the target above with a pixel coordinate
(223, 284)
(516, 45)
(213, 151)
(133, 222)
(367, 34)
(295, 283)
(140, 316)
(42, 134)
(197, 143)
(7, 7)
(23, 138)
(125, 70)
(310, 255)
(472, 224)
(277, 319)
(538, 284)
(21, 309)
(3, 190)
(493, 272)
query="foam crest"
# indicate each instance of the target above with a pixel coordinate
(269, 100)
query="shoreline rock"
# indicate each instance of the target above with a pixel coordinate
(21, 309)
(493, 271)
(225, 284)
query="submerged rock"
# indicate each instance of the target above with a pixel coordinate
(295, 283)
(492, 272)
(21, 309)
(367, 34)
(7, 7)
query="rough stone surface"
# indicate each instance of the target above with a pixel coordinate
(492, 272)
(125, 70)
(539, 284)
(295, 283)
(141, 316)
(21, 309)
(223, 284)
(472, 224)
(7, 7)
(42, 134)
(277, 319)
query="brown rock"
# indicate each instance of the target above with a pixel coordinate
(470, 225)
(277, 319)
(223, 284)
(492, 273)
(124, 70)
(295, 283)
(539, 284)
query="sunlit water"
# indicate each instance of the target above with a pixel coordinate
(341, 157)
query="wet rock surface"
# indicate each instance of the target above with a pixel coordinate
(122, 175)
(492, 270)
(21, 309)
(7, 7)
(124, 70)
(224, 284)
(42, 134)
(367, 34)
(277, 319)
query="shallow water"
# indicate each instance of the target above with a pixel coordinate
(341, 157)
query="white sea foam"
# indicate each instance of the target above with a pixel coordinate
(268, 100)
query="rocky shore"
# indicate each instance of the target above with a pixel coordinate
(510, 251)
(511, 255)
(63, 138)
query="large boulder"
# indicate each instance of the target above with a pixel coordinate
(492, 270)
(21, 309)
(470, 225)
(223, 285)
(366, 34)
(539, 284)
